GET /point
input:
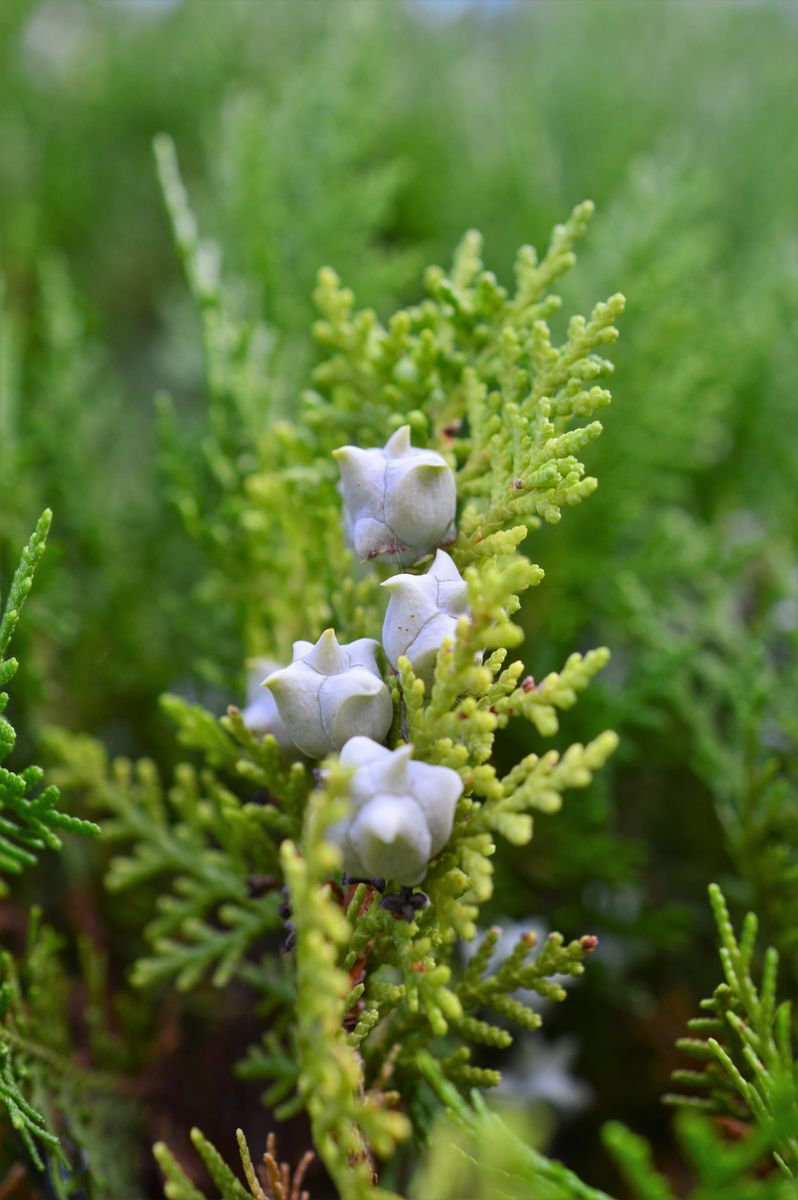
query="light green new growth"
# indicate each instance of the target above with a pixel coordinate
(471, 369)
(348, 1122)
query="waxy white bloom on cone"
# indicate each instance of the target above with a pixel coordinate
(331, 692)
(399, 502)
(260, 713)
(423, 611)
(402, 812)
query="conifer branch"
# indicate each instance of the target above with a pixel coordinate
(200, 839)
(349, 1124)
(43, 1086)
(471, 371)
(29, 816)
(275, 1181)
(743, 1043)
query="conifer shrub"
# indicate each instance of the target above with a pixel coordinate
(291, 919)
(325, 877)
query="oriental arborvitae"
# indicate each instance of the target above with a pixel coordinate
(457, 428)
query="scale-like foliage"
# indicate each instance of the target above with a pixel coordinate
(199, 839)
(715, 670)
(45, 1087)
(274, 1181)
(475, 373)
(743, 1043)
(472, 369)
(349, 1123)
(465, 369)
(30, 819)
(723, 1171)
(475, 1152)
(26, 1119)
(41, 1087)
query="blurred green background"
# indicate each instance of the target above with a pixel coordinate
(370, 136)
